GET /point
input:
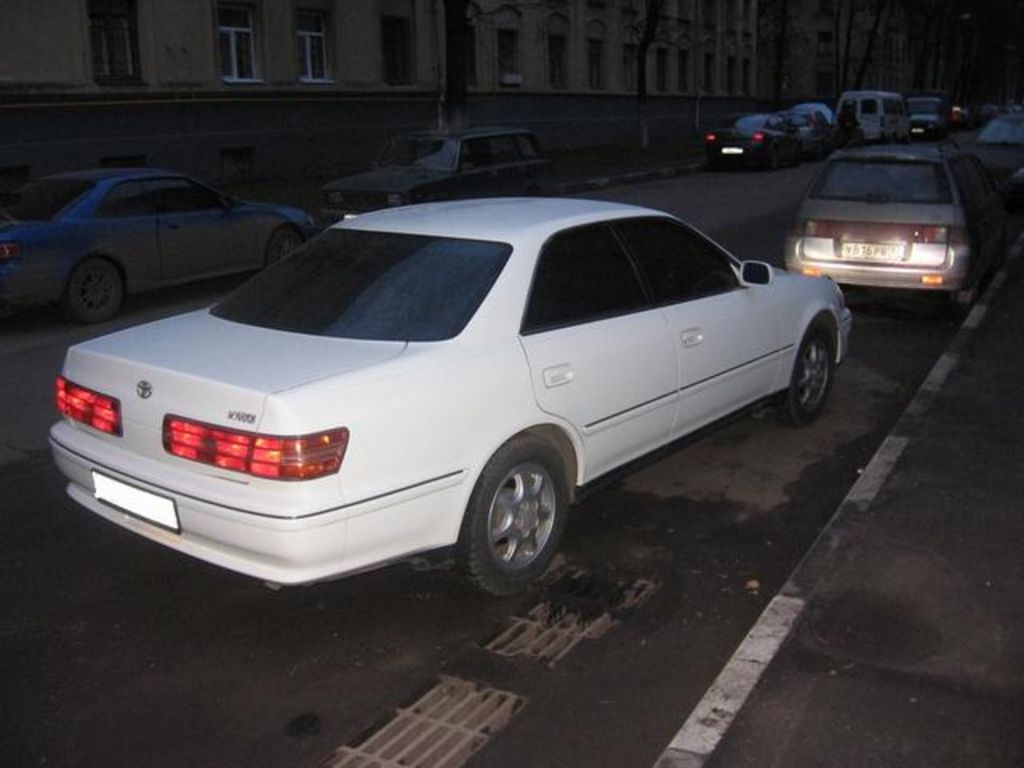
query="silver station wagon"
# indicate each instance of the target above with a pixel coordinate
(923, 218)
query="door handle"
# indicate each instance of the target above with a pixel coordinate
(692, 337)
(558, 375)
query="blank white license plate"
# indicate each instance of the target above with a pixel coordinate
(874, 251)
(135, 501)
(732, 150)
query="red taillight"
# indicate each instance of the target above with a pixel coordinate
(281, 458)
(79, 403)
(820, 228)
(759, 136)
(710, 137)
(871, 232)
(10, 250)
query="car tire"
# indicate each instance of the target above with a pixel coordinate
(281, 242)
(811, 380)
(515, 517)
(773, 158)
(94, 291)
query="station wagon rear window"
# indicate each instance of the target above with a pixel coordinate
(880, 181)
(371, 285)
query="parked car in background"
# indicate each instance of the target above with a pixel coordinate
(441, 165)
(1000, 147)
(880, 115)
(923, 218)
(758, 139)
(929, 117)
(816, 107)
(87, 238)
(814, 136)
(435, 376)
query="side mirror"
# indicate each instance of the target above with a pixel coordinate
(228, 201)
(755, 273)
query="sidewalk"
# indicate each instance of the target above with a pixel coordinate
(907, 641)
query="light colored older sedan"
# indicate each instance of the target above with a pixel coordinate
(437, 375)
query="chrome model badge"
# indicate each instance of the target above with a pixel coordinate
(144, 389)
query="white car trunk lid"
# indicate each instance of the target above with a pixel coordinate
(209, 370)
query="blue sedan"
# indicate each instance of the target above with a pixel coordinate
(87, 238)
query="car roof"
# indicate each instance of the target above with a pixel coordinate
(907, 152)
(102, 174)
(503, 219)
(468, 133)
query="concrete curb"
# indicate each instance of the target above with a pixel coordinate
(627, 177)
(706, 726)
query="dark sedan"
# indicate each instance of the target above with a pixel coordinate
(928, 119)
(441, 165)
(85, 239)
(761, 139)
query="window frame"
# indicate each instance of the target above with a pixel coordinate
(528, 329)
(405, 61)
(233, 33)
(305, 40)
(127, 26)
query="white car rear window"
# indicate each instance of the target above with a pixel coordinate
(377, 286)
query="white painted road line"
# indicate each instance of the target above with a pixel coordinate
(714, 714)
(707, 724)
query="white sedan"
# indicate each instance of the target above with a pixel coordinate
(436, 375)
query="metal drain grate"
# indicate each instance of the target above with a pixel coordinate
(442, 729)
(579, 607)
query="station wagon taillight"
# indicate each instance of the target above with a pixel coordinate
(881, 232)
(302, 457)
(88, 406)
(710, 138)
(759, 136)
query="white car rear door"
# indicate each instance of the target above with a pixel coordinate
(600, 356)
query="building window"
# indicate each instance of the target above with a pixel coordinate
(661, 70)
(709, 13)
(556, 61)
(115, 40)
(683, 70)
(629, 57)
(237, 44)
(311, 29)
(746, 77)
(470, 43)
(396, 46)
(824, 43)
(824, 81)
(730, 75)
(595, 64)
(508, 57)
(709, 73)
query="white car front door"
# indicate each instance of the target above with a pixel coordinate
(726, 335)
(600, 356)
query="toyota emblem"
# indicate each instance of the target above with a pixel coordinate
(144, 389)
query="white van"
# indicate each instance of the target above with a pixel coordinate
(881, 115)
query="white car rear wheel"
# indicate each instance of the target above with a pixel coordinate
(515, 517)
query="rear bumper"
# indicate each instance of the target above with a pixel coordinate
(953, 273)
(314, 544)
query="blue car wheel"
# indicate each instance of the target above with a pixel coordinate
(94, 292)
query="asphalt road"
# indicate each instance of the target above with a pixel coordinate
(114, 651)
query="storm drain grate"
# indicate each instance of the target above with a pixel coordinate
(579, 607)
(442, 729)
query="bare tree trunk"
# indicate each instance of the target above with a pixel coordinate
(455, 63)
(649, 30)
(869, 48)
(850, 15)
(781, 48)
